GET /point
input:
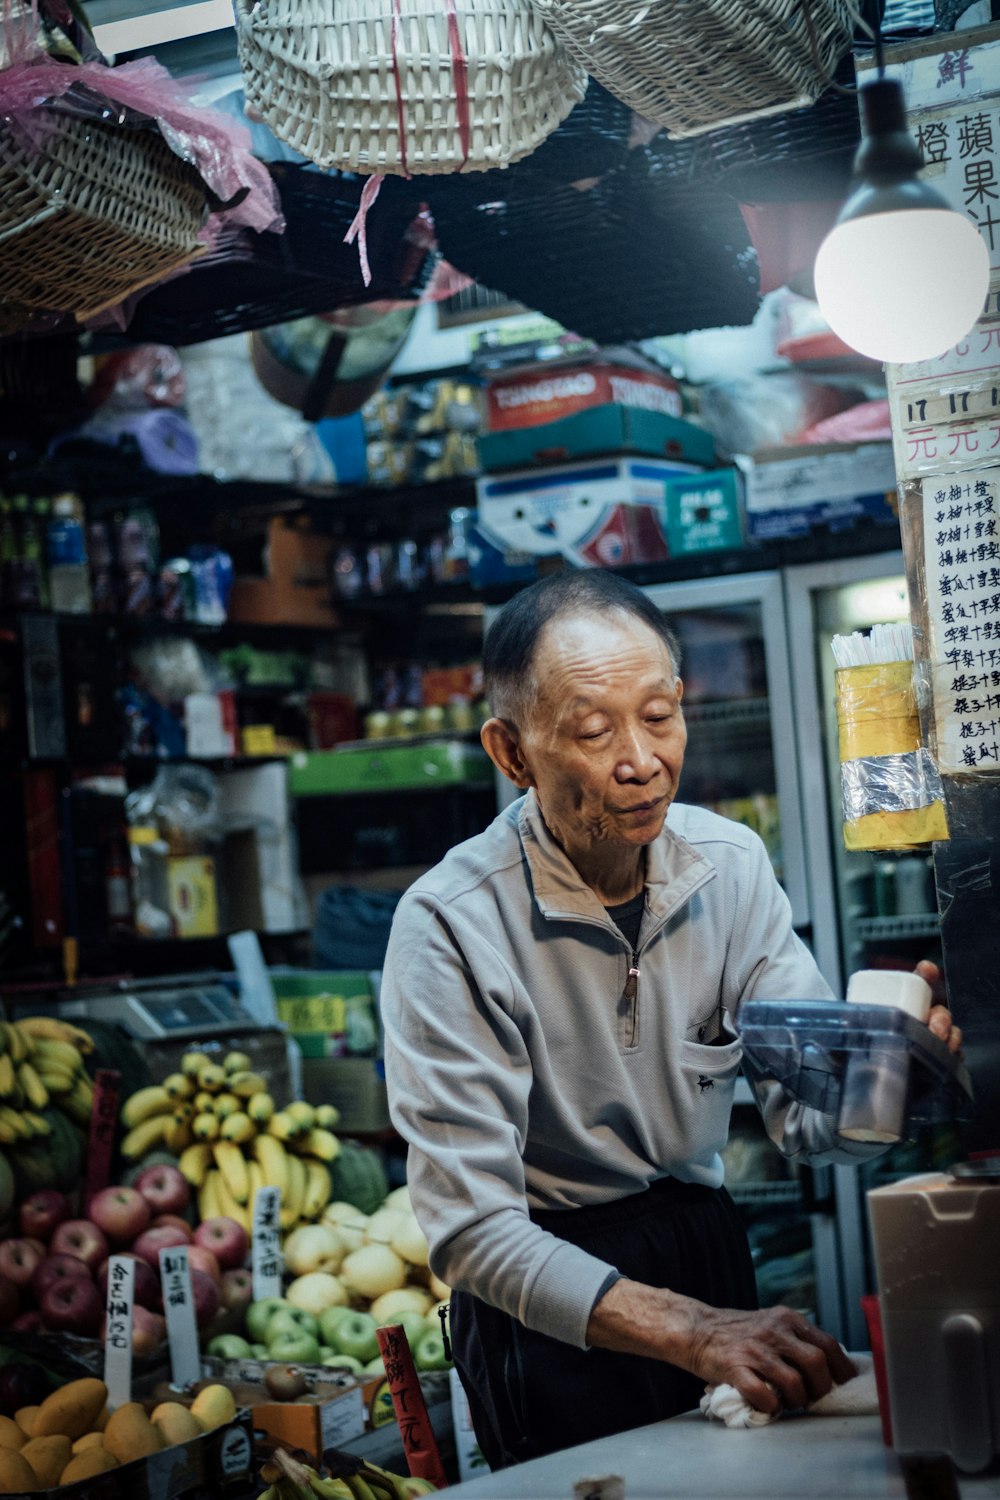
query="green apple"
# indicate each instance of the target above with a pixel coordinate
(229, 1346)
(259, 1351)
(374, 1366)
(290, 1322)
(428, 1352)
(328, 1321)
(295, 1349)
(258, 1315)
(413, 1324)
(356, 1335)
(343, 1362)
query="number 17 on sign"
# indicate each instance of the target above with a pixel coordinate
(267, 1258)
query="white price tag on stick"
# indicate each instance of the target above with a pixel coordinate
(267, 1260)
(178, 1305)
(118, 1340)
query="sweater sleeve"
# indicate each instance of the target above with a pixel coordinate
(770, 962)
(459, 1077)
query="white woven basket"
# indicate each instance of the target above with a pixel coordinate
(694, 64)
(405, 86)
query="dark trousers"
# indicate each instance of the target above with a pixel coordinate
(531, 1394)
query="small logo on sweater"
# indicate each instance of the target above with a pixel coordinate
(705, 1083)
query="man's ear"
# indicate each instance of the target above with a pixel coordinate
(503, 746)
(679, 686)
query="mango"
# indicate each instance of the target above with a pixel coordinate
(11, 1436)
(213, 1406)
(176, 1423)
(71, 1410)
(89, 1440)
(86, 1465)
(102, 1420)
(130, 1434)
(25, 1419)
(17, 1477)
(48, 1456)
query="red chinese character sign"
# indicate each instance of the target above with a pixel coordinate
(419, 1442)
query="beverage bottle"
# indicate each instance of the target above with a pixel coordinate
(26, 581)
(69, 571)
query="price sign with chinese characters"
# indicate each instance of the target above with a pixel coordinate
(962, 563)
(267, 1258)
(118, 1342)
(178, 1305)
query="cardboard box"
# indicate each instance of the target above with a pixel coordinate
(600, 514)
(534, 395)
(356, 1085)
(339, 1409)
(599, 430)
(790, 492)
(259, 877)
(387, 768)
(703, 512)
(330, 1013)
(295, 588)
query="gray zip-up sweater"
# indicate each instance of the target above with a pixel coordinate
(530, 1066)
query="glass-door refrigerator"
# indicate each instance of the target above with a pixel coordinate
(870, 910)
(741, 762)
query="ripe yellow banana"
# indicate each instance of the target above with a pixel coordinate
(203, 1102)
(322, 1144)
(193, 1062)
(144, 1137)
(51, 1028)
(18, 1043)
(256, 1177)
(302, 1113)
(260, 1108)
(231, 1163)
(195, 1161)
(272, 1158)
(63, 1056)
(8, 1077)
(229, 1206)
(294, 1196)
(54, 1080)
(34, 1090)
(208, 1196)
(205, 1127)
(239, 1128)
(212, 1078)
(37, 1123)
(236, 1062)
(179, 1086)
(8, 1135)
(79, 1104)
(177, 1135)
(282, 1126)
(144, 1103)
(246, 1084)
(225, 1105)
(15, 1121)
(318, 1188)
(327, 1116)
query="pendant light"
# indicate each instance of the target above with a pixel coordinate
(901, 276)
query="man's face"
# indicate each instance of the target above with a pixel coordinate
(604, 744)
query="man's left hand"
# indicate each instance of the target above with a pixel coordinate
(939, 1020)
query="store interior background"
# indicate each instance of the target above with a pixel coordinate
(755, 621)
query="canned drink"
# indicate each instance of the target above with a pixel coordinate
(347, 579)
(377, 725)
(104, 591)
(138, 593)
(432, 719)
(409, 573)
(405, 721)
(379, 567)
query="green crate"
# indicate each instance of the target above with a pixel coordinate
(365, 768)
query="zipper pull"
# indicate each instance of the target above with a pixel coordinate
(632, 982)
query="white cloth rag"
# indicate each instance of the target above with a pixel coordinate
(857, 1397)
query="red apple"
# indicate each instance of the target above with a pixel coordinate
(55, 1268)
(146, 1289)
(226, 1239)
(206, 1297)
(149, 1244)
(148, 1331)
(165, 1189)
(29, 1321)
(237, 1287)
(10, 1301)
(174, 1220)
(72, 1305)
(81, 1238)
(40, 1246)
(200, 1259)
(18, 1259)
(43, 1212)
(121, 1213)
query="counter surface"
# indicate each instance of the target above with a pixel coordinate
(690, 1458)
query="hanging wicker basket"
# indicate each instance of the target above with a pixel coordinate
(405, 86)
(94, 213)
(693, 64)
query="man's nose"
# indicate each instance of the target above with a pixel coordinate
(636, 759)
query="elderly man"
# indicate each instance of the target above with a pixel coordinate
(559, 998)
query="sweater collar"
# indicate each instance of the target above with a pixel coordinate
(674, 870)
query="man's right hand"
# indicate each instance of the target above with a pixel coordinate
(776, 1359)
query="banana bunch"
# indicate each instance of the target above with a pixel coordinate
(42, 1065)
(357, 1479)
(221, 1123)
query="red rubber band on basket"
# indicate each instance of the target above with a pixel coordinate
(396, 18)
(460, 73)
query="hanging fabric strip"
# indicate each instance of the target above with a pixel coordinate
(359, 226)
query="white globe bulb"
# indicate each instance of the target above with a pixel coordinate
(903, 286)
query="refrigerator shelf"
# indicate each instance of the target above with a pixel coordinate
(729, 712)
(764, 1192)
(913, 924)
